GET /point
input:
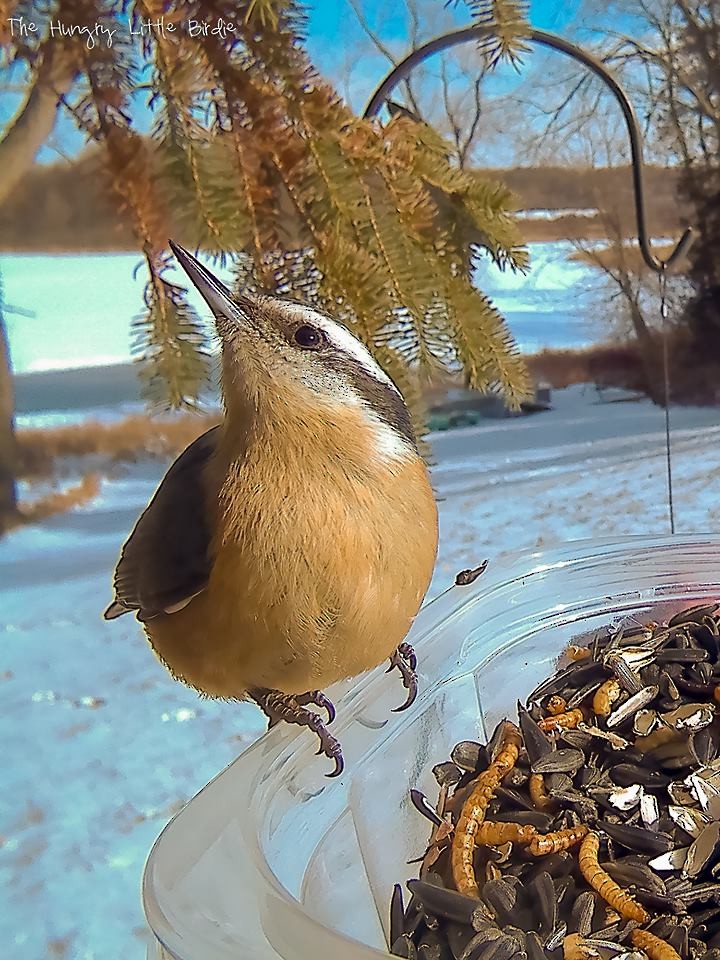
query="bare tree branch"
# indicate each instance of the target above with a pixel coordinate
(36, 118)
(383, 49)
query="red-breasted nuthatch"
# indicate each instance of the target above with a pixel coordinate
(291, 546)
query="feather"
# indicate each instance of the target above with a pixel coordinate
(166, 560)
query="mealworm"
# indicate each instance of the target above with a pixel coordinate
(564, 721)
(603, 883)
(556, 705)
(605, 697)
(716, 694)
(558, 841)
(575, 948)
(577, 653)
(653, 946)
(494, 834)
(475, 808)
(538, 793)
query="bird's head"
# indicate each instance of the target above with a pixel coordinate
(278, 351)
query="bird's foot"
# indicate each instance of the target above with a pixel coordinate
(279, 706)
(406, 662)
(318, 698)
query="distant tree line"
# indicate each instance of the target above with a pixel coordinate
(70, 206)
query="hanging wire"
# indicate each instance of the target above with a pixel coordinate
(662, 279)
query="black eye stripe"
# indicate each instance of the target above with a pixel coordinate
(381, 397)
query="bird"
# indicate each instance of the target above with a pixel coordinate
(291, 546)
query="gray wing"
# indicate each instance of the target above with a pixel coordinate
(165, 561)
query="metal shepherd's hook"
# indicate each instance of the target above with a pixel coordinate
(452, 39)
(455, 37)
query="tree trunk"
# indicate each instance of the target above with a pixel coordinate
(35, 120)
(8, 449)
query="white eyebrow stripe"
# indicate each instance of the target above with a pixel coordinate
(344, 340)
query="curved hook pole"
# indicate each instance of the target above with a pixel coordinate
(403, 69)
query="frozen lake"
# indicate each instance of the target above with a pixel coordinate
(76, 310)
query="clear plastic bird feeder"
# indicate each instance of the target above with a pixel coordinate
(273, 860)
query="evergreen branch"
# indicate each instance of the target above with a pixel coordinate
(177, 83)
(257, 157)
(509, 20)
(170, 344)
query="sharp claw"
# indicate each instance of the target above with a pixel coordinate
(339, 767)
(278, 706)
(318, 699)
(412, 693)
(330, 707)
(405, 660)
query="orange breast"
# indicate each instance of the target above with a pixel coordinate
(315, 579)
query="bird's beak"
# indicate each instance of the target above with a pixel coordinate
(216, 294)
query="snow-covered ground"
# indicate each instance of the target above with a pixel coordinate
(100, 746)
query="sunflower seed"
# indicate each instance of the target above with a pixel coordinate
(693, 614)
(628, 709)
(542, 891)
(628, 774)
(649, 811)
(674, 860)
(536, 743)
(575, 676)
(566, 760)
(703, 852)
(688, 819)
(645, 722)
(630, 871)
(637, 838)
(690, 716)
(681, 794)
(581, 914)
(405, 947)
(469, 756)
(616, 742)
(450, 905)
(533, 947)
(423, 806)
(689, 655)
(474, 947)
(624, 672)
(557, 937)
(447, 773)
(501, 896)
(704, 745)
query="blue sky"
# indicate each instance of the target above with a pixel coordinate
(334, 33)
(335, 40)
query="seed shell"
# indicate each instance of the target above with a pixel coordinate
(636, 772)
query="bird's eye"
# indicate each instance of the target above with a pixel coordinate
(309, 338)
